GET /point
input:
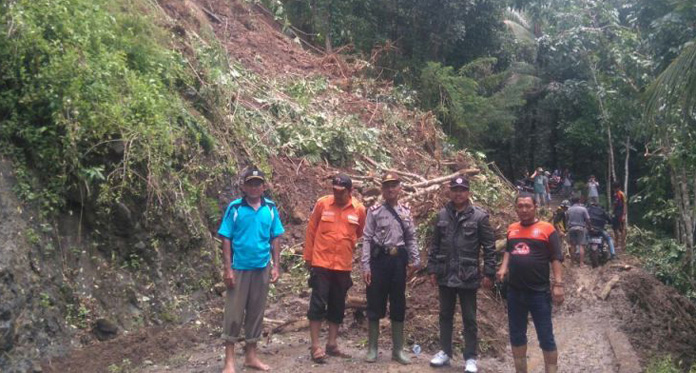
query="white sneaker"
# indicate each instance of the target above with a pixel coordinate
(471, 366)
(440, 359)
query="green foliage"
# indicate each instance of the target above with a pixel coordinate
(663, 257)
(33, 238)
(452, 31)
(77, 315)
(338, 140)
(126, 366)
(665, 364)
(85, 84)
(476, 106)
(303, 90)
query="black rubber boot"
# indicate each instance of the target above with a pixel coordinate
(373, 337)
(398, 343)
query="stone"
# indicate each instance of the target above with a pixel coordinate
(219, 288)
(105, 329)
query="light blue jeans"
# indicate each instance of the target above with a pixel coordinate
(607, 237)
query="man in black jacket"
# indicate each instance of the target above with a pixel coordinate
(453, 264)
(598, 219)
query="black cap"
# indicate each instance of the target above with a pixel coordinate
(253, 173)
(459, 181)
(342, 181)
(390, 176)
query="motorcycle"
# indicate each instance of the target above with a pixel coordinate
(524, 186)
(555, 184)
(599, 253)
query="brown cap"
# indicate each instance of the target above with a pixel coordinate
(390, 176)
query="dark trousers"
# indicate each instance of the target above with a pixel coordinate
(388, 282)
(328, 299)
(448, 301)
(520, 304)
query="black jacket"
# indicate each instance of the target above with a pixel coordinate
(598, 217)
(456, 244)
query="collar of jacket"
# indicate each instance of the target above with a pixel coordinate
(353, 202)
(468, 211)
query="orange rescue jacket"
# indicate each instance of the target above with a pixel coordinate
(333, 232)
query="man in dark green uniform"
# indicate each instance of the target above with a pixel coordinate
(389, 244)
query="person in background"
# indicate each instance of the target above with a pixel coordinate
(593, 190)
(389, 244)
(619, 220)
(560, 221)
(567, 183)
(462, 230)
(578, 222)
(598, 219)
(333, 230)
(547, 178)
(541, 186)
(532, 247)
(249, 230)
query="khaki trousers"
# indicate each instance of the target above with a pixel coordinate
(245, 304)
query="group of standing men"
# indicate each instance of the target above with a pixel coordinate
(251, 226)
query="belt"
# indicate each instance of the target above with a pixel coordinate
(392, 250)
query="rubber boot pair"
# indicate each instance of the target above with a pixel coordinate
(519, 355)
(397, 342)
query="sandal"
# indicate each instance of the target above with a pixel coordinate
(334, 351)
(318, 355)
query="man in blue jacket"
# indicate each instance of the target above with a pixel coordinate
(249, 232)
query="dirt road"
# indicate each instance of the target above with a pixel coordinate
(584, 328)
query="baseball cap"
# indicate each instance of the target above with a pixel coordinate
(342, 181)
(390, 176)
(459, 181)
(565, 203)
(253, 173)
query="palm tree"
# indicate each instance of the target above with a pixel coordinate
(676, 84)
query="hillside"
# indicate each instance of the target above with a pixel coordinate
(124, 274)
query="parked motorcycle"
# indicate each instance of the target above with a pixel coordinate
(524, 186)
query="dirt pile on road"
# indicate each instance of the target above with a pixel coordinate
(658, 320)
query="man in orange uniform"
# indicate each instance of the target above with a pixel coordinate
(334, 228)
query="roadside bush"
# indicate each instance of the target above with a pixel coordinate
(662, 256)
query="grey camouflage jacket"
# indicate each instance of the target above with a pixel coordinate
(456, 244)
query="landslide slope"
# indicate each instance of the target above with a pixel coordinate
(110, 204)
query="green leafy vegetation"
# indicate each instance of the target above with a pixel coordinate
(87, 85)
(667, 365)
(664, 257)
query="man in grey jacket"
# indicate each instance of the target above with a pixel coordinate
(453, 264)
(389, 245)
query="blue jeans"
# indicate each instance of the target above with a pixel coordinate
(520, 304)
(607, 238)
(540, 198)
